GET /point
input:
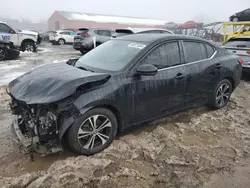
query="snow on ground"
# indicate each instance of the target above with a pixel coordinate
(45, 54)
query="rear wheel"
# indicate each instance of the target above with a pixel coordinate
(61, 41)
(3, 54)
(92, 132)
(221, 94)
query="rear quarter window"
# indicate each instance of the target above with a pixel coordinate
(194, 51)
(210, 50)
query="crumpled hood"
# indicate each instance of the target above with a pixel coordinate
(51, 82)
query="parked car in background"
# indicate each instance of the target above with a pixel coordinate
(241, 47)
(8, 50)
(88, 38)
(62, 37)
(45, 35)
(121, 32)
(241, 16)
(24, 40)
(124, 82)
(171, 26)
(191, 24)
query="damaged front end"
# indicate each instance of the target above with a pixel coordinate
(37, 125)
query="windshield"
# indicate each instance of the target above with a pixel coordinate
(111, 56)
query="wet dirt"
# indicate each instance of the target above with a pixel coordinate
(192, 149)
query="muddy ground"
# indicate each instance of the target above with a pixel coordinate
(192, 149)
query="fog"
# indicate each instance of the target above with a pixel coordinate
(169, 10)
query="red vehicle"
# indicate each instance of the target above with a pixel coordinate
(191, 24)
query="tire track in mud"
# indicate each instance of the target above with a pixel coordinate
(183, 150)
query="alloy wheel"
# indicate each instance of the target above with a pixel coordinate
(223, 94)
(29, 48)
(235, 19)
(2, 54)
(61, 42)
(94, 131)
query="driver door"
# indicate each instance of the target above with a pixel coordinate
(164, 92)
(6, 33)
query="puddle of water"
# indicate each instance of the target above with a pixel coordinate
(43, 163)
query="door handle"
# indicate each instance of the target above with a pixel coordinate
(218, 66)
(179, 76)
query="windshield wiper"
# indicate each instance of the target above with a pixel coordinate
(83, 68)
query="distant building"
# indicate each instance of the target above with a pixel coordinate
(75, 20)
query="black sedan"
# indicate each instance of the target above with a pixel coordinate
(241, 16)
(8, 51)
(127, 81)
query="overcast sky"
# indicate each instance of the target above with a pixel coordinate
(169, 10)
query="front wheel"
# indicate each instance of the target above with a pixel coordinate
(29, 47)
(235, 19)
(221, 94)
(92, 132)
(83, 52)
(2, 54)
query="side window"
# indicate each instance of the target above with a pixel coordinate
(165, 55)
(103, 32)
(4, 28)
(210, 50)
(247, 11)
(195, 51)
(65, 33)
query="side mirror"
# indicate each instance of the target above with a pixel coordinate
(147, 70)
(72, 62)
(12, 31)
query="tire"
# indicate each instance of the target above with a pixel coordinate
(83, 52)
(3, 54)
(29, 47)
(235, 19)
(221, 94)
(61, 41)
(82, 128)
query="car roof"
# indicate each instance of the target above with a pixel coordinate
(149, 38)
(136, 30)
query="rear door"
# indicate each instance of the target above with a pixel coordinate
(202, 71)
(66, 35)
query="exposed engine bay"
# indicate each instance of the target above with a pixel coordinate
(36, 126)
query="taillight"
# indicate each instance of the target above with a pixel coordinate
(84, 34)
(248, 52)
(241, 61)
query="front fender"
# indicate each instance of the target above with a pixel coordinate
(67, 122)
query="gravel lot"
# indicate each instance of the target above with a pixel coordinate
(192, 149)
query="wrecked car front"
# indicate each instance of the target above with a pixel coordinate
(43, 103)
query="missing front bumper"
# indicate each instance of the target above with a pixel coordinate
(29, 144)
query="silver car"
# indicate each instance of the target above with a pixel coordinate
(241, 47)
